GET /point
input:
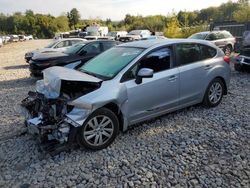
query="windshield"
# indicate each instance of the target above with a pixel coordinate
(75, 48)
(201, 36)
(51, 44)
(111, 62)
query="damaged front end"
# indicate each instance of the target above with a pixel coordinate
(49, 113)
(45, 117)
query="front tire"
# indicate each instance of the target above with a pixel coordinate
(99, 130)
(214, 93)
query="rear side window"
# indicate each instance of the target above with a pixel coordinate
(187, 53)
(207, 52)
(157, 60)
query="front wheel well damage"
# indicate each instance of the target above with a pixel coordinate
(115, 108)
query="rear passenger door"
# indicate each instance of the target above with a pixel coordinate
(192, 72)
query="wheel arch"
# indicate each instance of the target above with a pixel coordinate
(116, 110)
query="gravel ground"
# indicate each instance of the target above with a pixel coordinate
(194, 147)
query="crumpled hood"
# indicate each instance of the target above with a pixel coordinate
(50, 86)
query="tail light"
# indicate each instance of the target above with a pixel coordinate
(226, 59)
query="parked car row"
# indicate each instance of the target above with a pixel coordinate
(89, 102)
(55, 46)
(14, 38)
(72, 57)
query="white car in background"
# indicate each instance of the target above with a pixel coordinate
(135, 35)
(115, 35)
(57, 45)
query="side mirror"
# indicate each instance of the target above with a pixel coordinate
(143, 73)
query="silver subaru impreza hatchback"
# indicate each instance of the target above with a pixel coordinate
(125, 85)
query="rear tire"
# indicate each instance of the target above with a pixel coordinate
(99, 130)
(214, 93)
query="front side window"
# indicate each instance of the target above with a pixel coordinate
(75, 48)
(157, 60)
(211, 37)
(111, 62)
(187, 53)
(92, 48)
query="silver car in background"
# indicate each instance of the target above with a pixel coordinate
(222, 39)
(125, 85)
(59, 45)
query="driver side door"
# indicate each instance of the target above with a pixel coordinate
(156, 95)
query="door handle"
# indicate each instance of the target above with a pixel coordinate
(172, 78)
(207, 67)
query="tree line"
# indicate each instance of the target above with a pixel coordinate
(181, 24)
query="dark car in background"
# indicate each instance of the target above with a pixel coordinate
(222, 39)
(73, 57)
(242, 61)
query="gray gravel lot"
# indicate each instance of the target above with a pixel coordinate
(194, 147)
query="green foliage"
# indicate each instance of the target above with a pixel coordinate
(243, 13)
(173, 25)
(173, 29)
(74, 18)
(39, 25)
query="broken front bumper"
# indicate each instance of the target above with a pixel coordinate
(51, 119)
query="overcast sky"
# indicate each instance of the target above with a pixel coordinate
(114, 9)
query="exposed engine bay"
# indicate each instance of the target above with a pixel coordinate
(52, 118)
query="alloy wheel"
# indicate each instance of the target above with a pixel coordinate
(215, 92)
(98, 130)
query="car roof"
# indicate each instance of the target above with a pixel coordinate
(161, 42)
